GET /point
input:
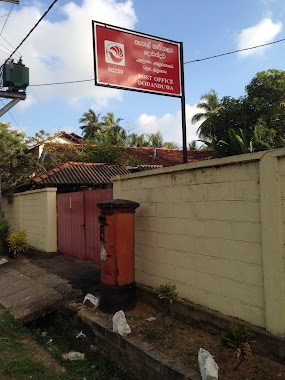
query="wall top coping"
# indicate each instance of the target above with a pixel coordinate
(225, 161)
(44, 190)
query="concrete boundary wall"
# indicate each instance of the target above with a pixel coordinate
(35, 212)
(215, 229)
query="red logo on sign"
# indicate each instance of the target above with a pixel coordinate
(114, 53)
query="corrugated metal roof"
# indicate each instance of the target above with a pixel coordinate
(142, 168)
(80, 173)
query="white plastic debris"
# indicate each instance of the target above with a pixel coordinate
(150, 319)
(3, 261)
(208, 367)
(80, 335)
(73, 355)
(44, 333)
(90, 300)
(120, 325)
(103, 254)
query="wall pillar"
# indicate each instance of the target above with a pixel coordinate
(50, 223)
(272, 244)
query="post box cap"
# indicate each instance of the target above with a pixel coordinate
(118, 203)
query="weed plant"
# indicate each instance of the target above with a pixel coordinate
(238, 339)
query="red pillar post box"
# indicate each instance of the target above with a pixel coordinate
(117, 236)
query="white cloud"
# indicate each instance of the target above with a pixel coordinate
(169, 125)
(62, 50)
(263, 32)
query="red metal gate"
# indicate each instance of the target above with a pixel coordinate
(78, 225)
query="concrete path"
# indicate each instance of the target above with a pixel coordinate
(36, 284)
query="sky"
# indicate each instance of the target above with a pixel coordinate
(60, 49)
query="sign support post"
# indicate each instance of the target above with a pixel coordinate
(183, 108)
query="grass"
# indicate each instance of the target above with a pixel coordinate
(16, 356)
(22, 359)
(152, 335)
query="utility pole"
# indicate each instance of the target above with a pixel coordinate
(15, 78)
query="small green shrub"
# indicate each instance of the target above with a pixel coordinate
(17, 241)
(4, 232)
(238, 339)
(4, 228)
(152, 335)
(168, 292)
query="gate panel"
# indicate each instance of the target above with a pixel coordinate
(92, 229)
(70, 216)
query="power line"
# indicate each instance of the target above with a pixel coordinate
(6, 19)
(67, 82)
(13, 117)
(19, 54)
(234, 51)
(33, 28)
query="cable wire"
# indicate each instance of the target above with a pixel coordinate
(13, 47)
(6, 19)
(12, 117)
(67, 82)
(234, 51)
(5, 15)
(33, 28)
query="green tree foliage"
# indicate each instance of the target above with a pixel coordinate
(91, 124)
(136, 140)
(15, 165)
(266, 94)
(156, 140)
(250, 123)
(210, 105)
(39, 137)
(193, 145)
(112, 132)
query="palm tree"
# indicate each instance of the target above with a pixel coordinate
(170, 145)
(193, 145)
(211, 105)
(109, 121)
(113, 131)
(91, 124)
(156, 140)
(137, 140)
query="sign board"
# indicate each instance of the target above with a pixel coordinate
(134, 61)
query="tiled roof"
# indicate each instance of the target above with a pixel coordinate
(149, 156)
(80, 173)
(166, 157)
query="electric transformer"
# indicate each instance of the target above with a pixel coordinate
(15, 76)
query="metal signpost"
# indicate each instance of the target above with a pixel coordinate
(130, 60)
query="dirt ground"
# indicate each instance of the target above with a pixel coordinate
(182, 342)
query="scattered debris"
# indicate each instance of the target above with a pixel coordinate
(44, 333)
(120, 324)
(3, 261)
(80, 335)
(150, 319)
(208, 367)
(50, 341)
(91, 301)
(73, 355)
